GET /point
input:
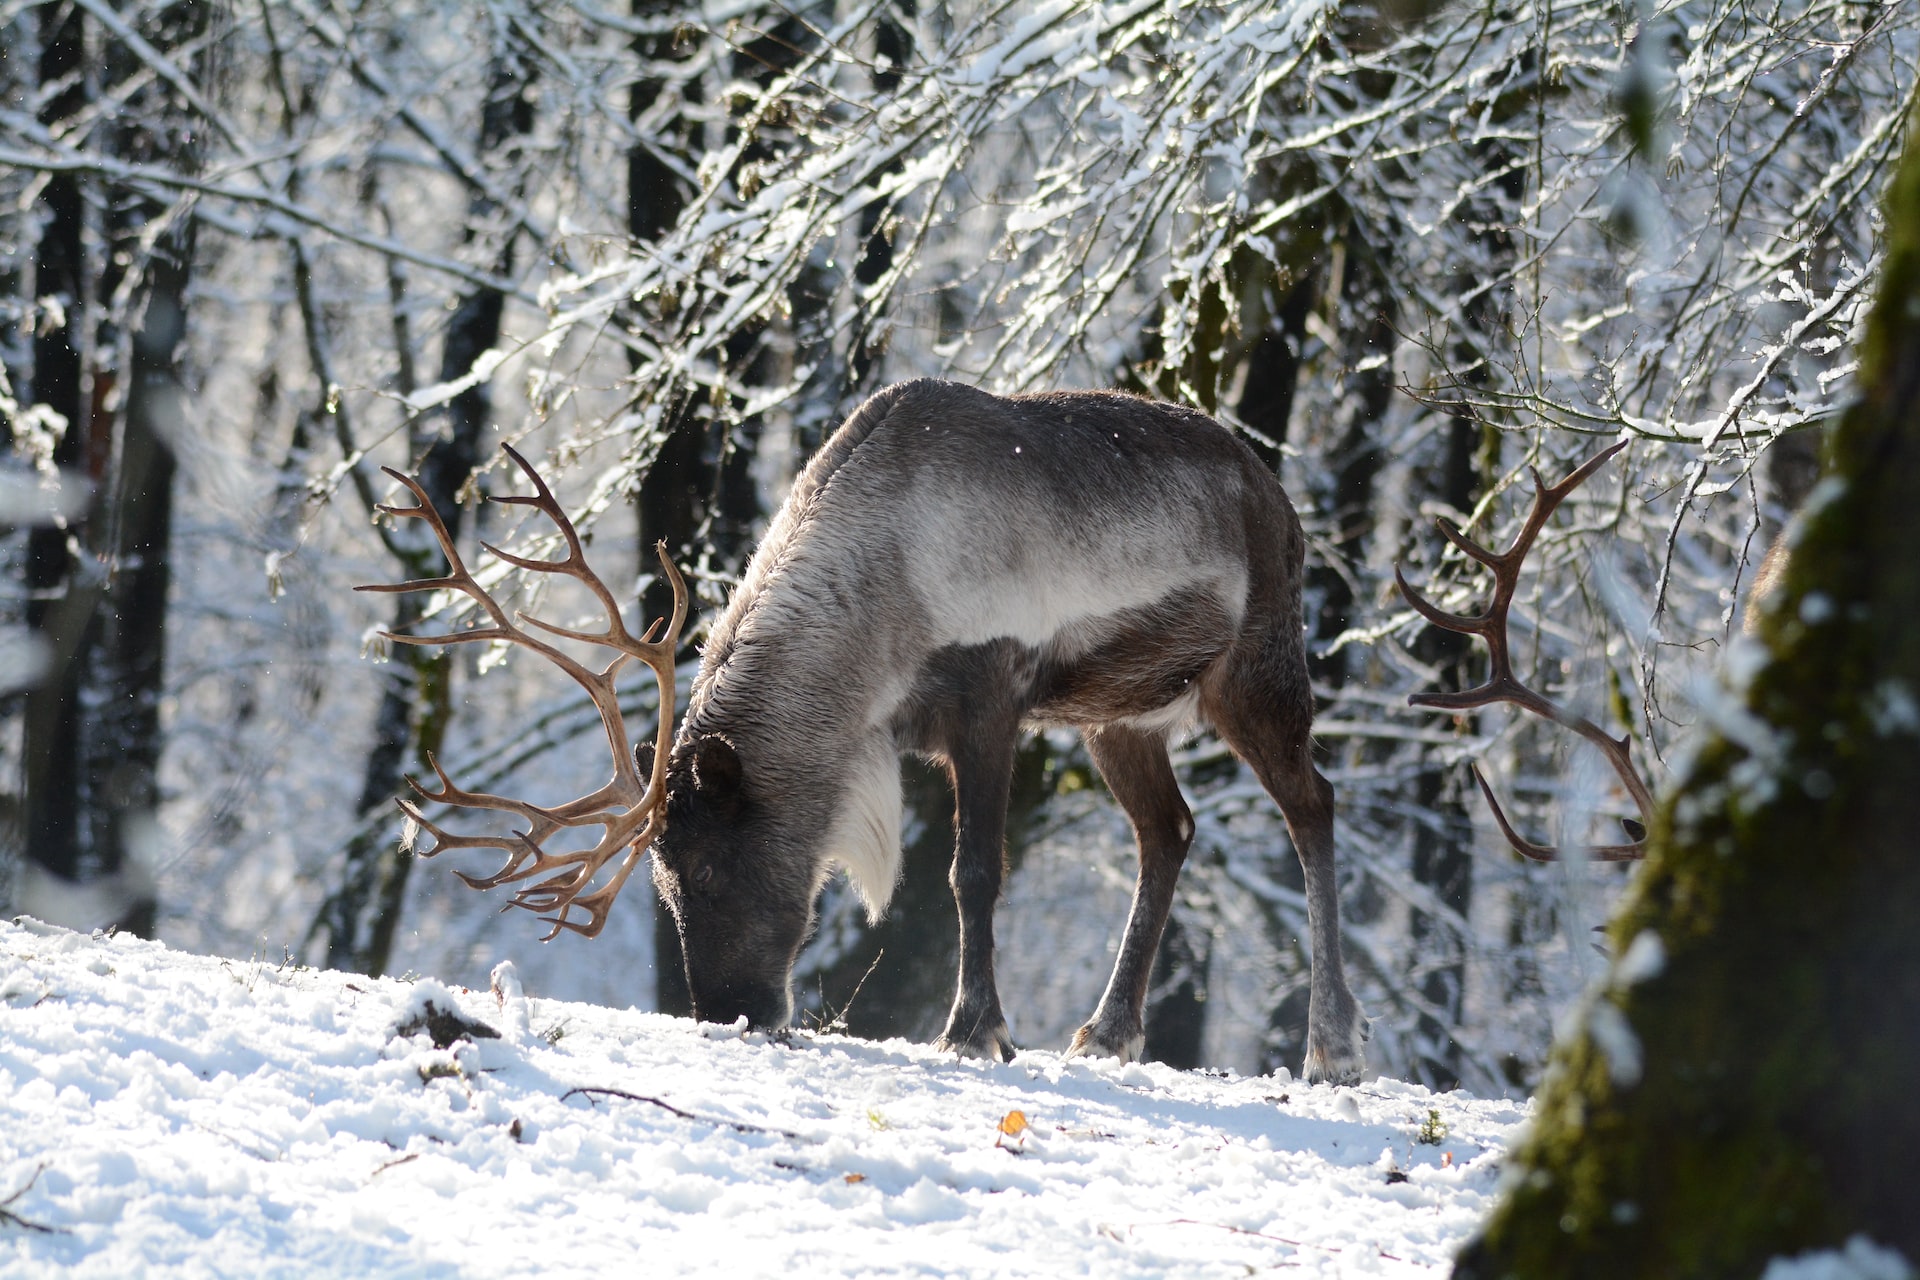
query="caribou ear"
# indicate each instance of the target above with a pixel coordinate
(716, 768)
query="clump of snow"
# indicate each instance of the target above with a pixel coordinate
(164, 1113)
(516, 1014)
(1746, 658)
(1616, 1041)
(1861, 1259)
(1644, 958)
(1893, 709)
(1816, 607)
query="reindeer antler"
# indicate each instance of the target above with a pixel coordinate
(1502, 686)
(630, 812)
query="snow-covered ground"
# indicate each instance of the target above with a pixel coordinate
(166, 1113)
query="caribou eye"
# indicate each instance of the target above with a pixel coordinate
(703, 877)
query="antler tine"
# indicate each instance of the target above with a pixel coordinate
(669, 644)
(614, 634)
(1451, 532)
(1585, 470)
(444, 840)
(1548, 853)
(422, 509)
(543, 501)
(1502, 685)
(457, 578)
(595, 904)
(629, 811)
(1546, 500)
(1463, 623)
(564, 895)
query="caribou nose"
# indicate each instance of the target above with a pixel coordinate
(764, 1007)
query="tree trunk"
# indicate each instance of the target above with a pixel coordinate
(668, 502)
(93, 726)
(1742, 1087)
(1176, 1014)
(55, 819)
(361, 916)
(1442, 857)
(892, 47)
(1345, 280)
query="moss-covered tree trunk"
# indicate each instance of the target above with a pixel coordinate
(1745, 1087)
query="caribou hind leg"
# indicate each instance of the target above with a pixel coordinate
(1137, 771)
(1261, 703)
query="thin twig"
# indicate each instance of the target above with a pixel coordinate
(839, 1022)
(9, 1218)
(742, 1126)
(1247, 1231)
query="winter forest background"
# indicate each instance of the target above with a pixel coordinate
(252, 251)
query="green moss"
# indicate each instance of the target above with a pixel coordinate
(1773, 1112)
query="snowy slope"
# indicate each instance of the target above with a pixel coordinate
(164, 1113)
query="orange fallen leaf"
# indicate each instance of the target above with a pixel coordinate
(856, 1177)
(1014, 1123)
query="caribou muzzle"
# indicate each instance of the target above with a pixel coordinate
(766, 1007)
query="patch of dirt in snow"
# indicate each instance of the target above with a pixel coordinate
(165, 1113)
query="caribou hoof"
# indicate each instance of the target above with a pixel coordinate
(1339, 1057)
(1323, 1068)
(1093, 1041)
(991, 1042)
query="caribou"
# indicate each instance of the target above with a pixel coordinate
(952, 568)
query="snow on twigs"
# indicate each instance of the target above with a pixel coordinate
(163, 1113)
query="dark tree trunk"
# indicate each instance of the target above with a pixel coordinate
(698, 495)
(1177, 995)
(1273, 365)
(1176, 1011)
(93, 734)
(1345, 279)
(1742, 1088)
(1443, 837)
(1263, 357)
(1365, 317)
(1442, 858)
(670, 499)
(362, 914)
(56, 822)
(19, 73)
(892, 45)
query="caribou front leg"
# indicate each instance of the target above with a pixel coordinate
(982, 770)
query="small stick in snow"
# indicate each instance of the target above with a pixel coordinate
(1248, 1231)
(9, 1218)
(839, 1020)
(1238, 1231)
(742, 1126)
